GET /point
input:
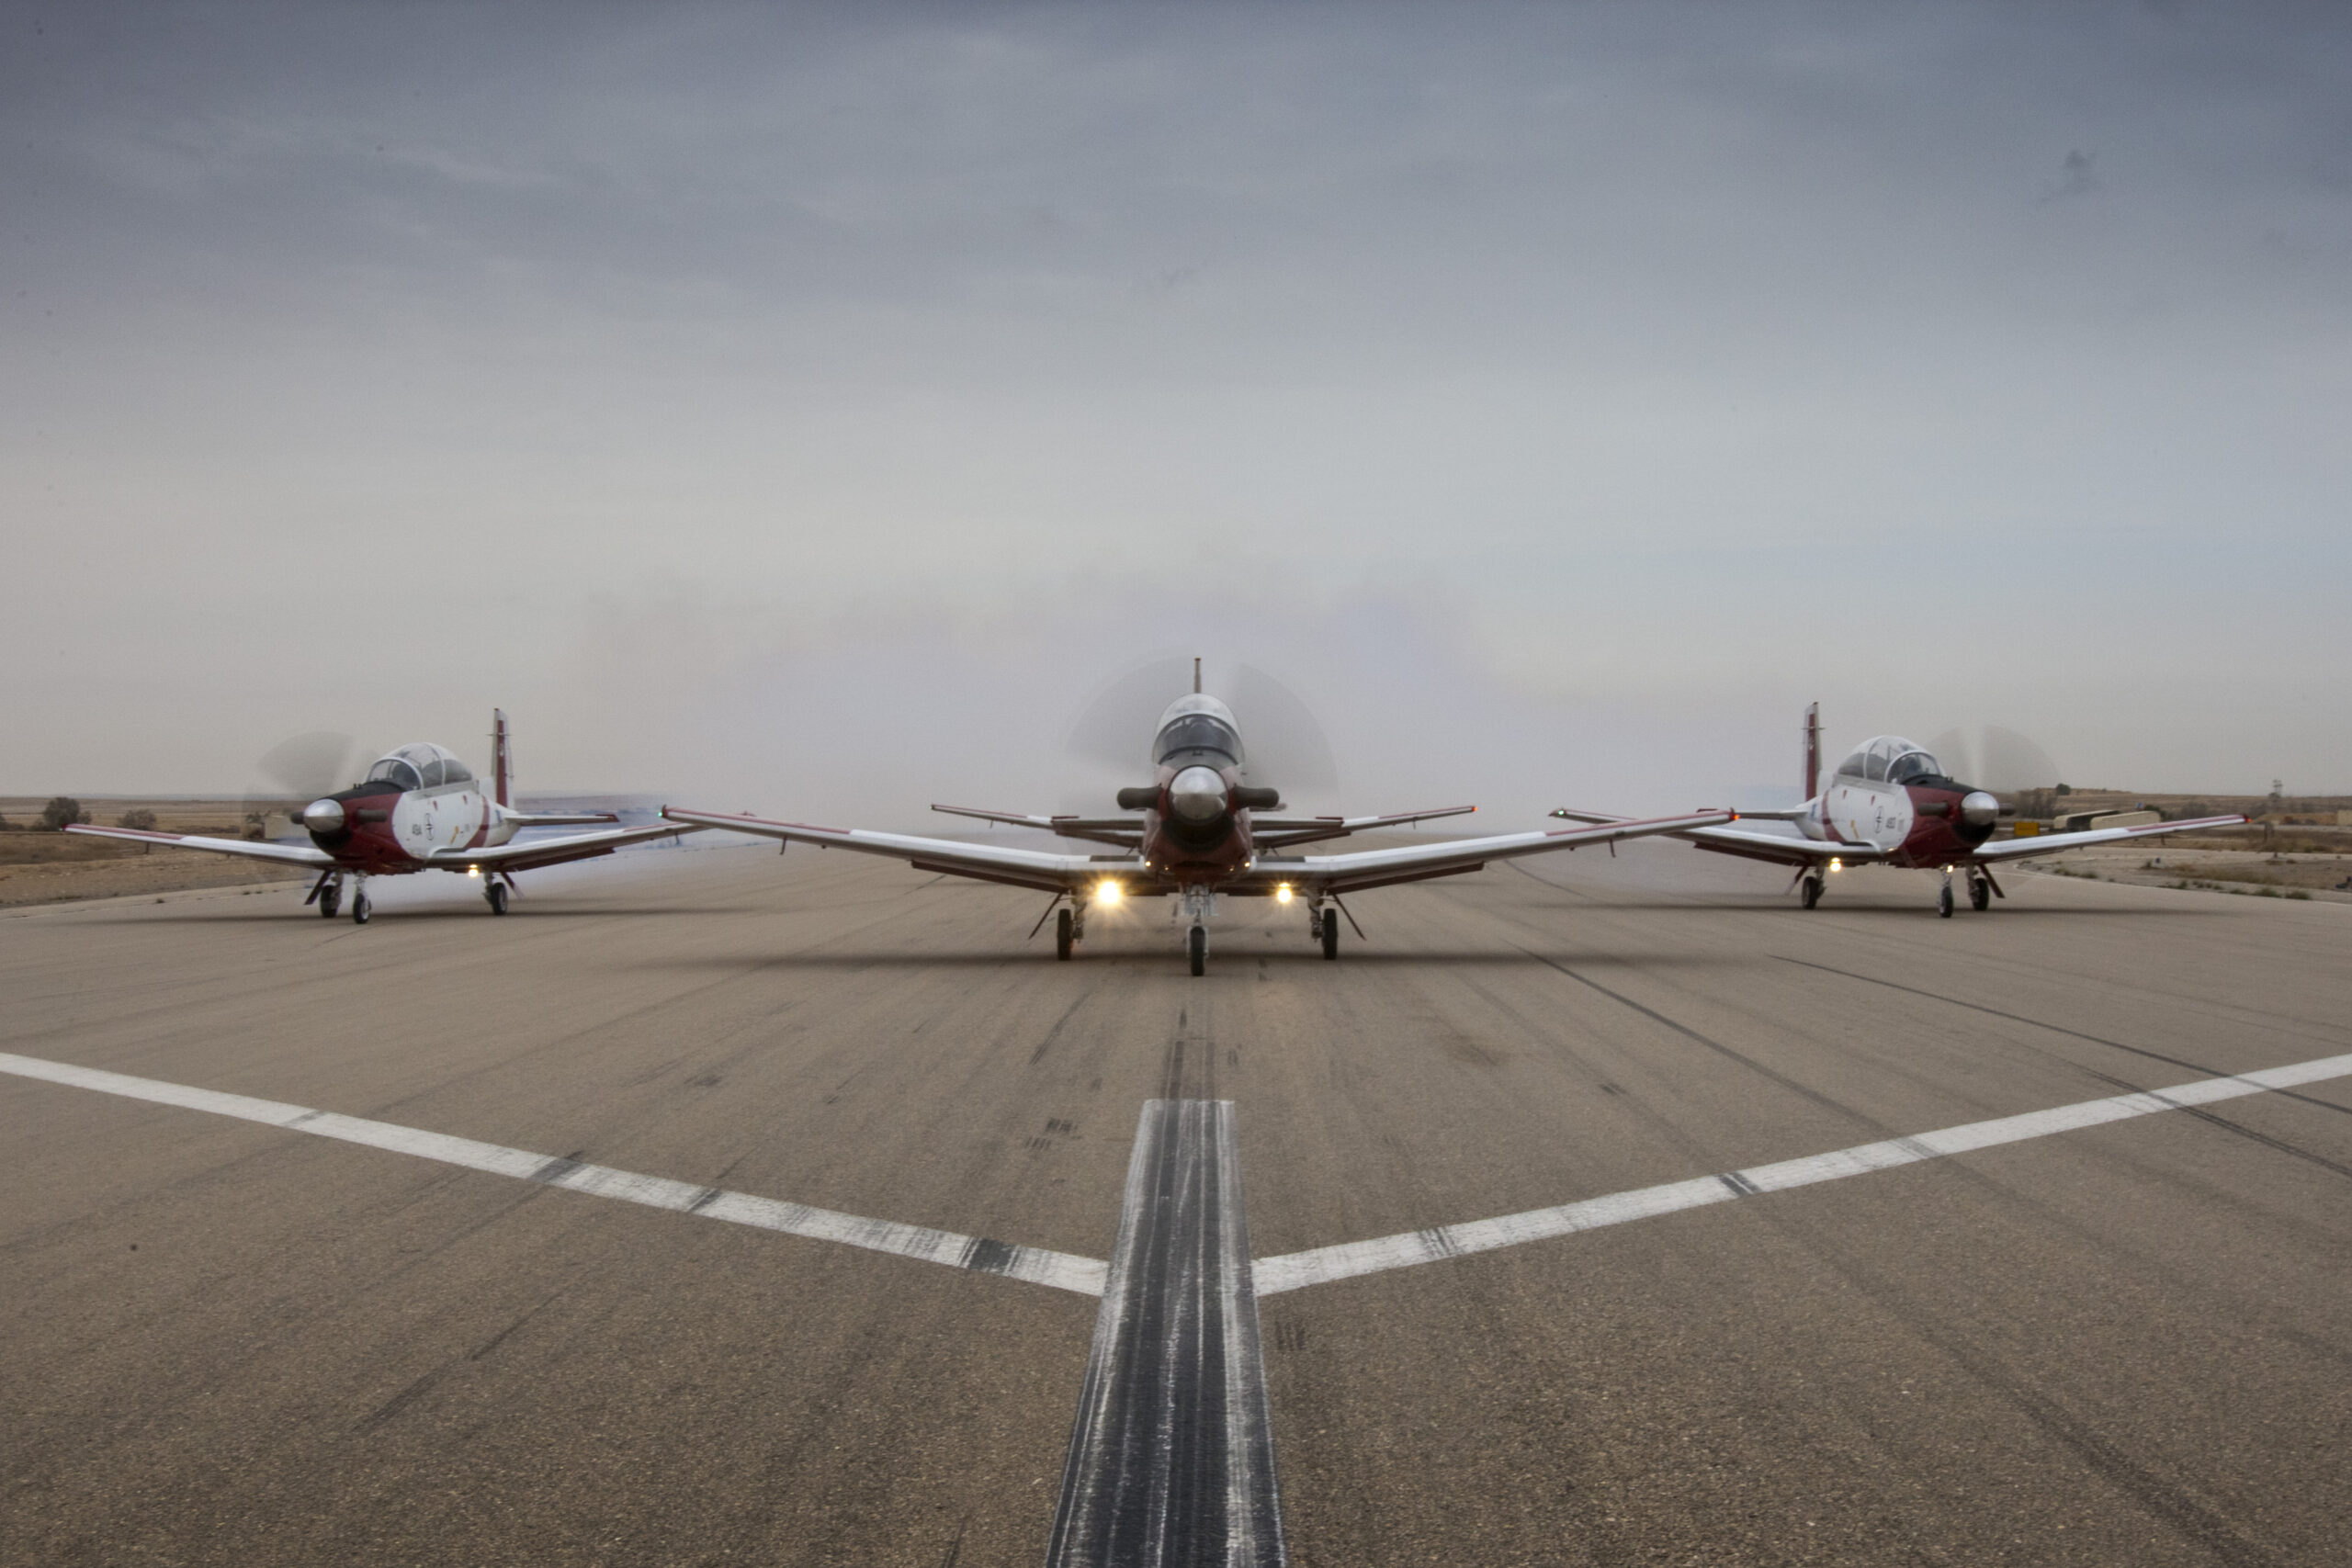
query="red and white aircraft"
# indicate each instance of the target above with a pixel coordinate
(419, 809)
(1195, 834)
(1892, 804)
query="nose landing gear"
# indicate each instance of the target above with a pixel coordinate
(360, 909)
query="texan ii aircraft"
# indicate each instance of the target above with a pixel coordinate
(1195, 833)
(1891, 803)
(419, 809)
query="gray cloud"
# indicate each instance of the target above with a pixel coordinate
(1677, 363)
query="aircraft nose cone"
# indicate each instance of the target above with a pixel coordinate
(1979, 810)
(323, 816)
(1198, 794)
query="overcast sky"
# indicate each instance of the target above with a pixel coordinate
(809, 409)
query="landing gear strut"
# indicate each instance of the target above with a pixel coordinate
(1196, 944)
(1809, 890)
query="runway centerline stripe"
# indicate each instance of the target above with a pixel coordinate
(1062, 1270)
(1324, 1264)
(1172, 1457)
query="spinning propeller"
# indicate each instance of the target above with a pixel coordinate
(297, 771)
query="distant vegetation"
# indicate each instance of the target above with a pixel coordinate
(139, 817)
(63, 811)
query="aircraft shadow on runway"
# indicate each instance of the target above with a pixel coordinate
(1233, 960)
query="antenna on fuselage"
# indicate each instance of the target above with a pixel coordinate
(1197, 674)
(500, 765)
(1813, 750)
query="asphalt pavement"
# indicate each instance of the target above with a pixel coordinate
(724, 1207)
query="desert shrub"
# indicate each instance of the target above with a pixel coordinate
(141, 819)
(63, 811)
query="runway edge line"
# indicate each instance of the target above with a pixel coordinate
(1323, 1265)
(1038, 1266)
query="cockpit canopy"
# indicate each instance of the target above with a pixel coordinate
(1197, 723)
(421, 765)
(1890, 759)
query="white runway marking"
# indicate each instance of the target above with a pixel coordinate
(1062, 1270)
(1323, 1264)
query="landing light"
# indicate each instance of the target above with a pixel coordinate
(1107, 893)
(1282, 893)
(1835, 865)
(473, 871)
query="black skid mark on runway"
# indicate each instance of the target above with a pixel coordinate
(2057, 1029)
(1055, 1032)
(2210, 1118)
(1751, 1064)
(1188, 1070)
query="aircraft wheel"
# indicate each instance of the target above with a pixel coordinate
(1943, 902)
(496, 893)
(1810, 891)
(1197, 944)
(1331, 934)
(330, 900)
(1063, 938)
(1980, 894)
(360, 909)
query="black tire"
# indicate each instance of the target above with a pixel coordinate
(1943, 901)
(496, 893)
(1980, 894)
(1811, 893)
(1197, 944)
(360, 909)
(330, 901)
(1330, 934)
(1063, 939)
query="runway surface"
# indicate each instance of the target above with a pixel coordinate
(723, 1207)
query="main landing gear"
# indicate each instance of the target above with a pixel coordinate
(1980, 891)
(496, 893)
(330, 898)
(1943, 895)
(1197, 947)
(1323, 926)
(1065, 935)
(1809, 888)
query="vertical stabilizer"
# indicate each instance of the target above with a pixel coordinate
(1197, 674)
(1812, 750)
(501, 764)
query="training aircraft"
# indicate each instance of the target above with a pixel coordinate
(1195, 833)
(419, 809)
(1892, 804)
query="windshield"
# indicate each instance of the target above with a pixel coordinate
(396, 770)
(1198, 732)
(1914, 765)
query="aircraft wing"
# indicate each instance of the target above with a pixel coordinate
(2050, 843)
(1776, 848)
(290, 854)
(1275, 832)
(553, 851)
(987, 862)
(1126, 830)
(1415, 863)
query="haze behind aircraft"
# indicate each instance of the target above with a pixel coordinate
(1890, 803)
(418, 809)
(1195, 833)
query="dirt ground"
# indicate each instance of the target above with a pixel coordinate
(2319, 876)
(38, 867)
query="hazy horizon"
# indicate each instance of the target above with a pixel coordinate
(809, 410)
